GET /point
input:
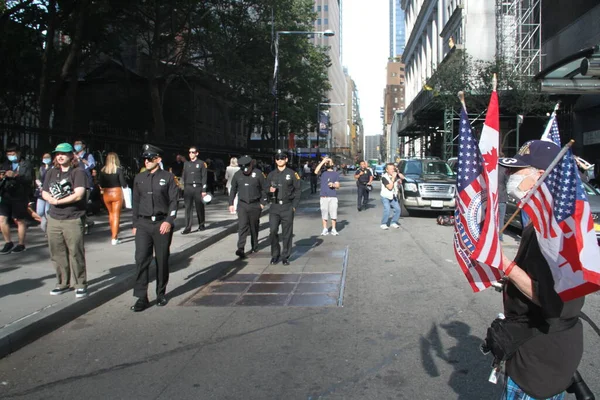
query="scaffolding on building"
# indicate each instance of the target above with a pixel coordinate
(519, 35)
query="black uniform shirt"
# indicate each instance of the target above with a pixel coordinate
(194, 173)
(288, 184)
(154, 194)
(364, 178)
(249, 188)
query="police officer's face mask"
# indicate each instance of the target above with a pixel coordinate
(247, 169)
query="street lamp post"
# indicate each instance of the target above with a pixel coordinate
(326, 33)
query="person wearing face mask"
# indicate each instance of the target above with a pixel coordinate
(41, 205)
(544, 364)
(248, 185)
(15, 180)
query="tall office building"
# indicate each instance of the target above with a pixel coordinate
(397, 29)
(373, 147)
(329, 17)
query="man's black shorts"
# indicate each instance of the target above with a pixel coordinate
(14, 208)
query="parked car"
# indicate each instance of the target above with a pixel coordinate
(430, 185)
(593, 196)
(378, 171)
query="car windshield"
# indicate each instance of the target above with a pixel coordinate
(436, 168)
(589, 190)
(413, 168)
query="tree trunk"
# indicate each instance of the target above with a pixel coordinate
(69, 68)
(157, 110)
(45, 103)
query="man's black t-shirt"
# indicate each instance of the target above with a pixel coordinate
(78, 178)
(544, 365)
(365, 177)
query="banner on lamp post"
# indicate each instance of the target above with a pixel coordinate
(323, 124)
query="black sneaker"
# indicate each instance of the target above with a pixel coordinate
(57, 291)
(82, 292)
(8, 247)
(18, 248)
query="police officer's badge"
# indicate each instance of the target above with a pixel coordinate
(288, 177)
(254, 174)
(162, 182)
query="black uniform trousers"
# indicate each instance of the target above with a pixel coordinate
(314, 181)
(281, 214)
(148, 240)
(363, 196)
(248, 223)
(193, 195)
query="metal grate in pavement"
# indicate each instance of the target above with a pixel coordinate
(315, 278)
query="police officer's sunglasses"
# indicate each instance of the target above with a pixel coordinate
(280, 157)
(149, 158)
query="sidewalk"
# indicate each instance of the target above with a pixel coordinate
(28, 311)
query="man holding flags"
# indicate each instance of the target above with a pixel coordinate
(556, 265)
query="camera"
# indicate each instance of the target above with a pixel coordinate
(60, 190)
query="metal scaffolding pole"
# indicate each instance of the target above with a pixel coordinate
(447, 144)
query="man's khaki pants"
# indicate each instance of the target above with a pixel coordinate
(67, 251)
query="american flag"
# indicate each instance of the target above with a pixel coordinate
(561, 215)
(476, 244)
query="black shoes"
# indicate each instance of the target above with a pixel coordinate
(359, 209)
(240, 253)
(274, 260)
(8, 247)
(255, 250)
(202, 227)
(285, 261)
(161, 301)
(186, 231)
(141, 304)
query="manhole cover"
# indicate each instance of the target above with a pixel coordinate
(314, 278)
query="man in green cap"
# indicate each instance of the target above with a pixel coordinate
(64, 189)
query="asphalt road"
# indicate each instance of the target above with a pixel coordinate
(409, 328)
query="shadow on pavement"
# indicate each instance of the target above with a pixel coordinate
(22, 285)
(469, 380)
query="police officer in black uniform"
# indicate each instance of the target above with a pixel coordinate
(363, 179)
(249, 185)
(154, 213)
(194, 189)
(284, 195)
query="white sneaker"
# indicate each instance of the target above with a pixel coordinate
(384, 227)
(334, 232)
(325, 232)
(395, 226)
(115, 242)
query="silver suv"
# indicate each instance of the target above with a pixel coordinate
(430, 185)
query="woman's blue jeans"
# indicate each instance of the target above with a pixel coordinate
(387, 204)
(41, 209)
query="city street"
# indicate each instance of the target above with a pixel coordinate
(368, 314)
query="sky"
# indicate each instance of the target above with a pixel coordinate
(365, 50)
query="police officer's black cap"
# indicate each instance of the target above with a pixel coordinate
(281, 154)
(244, 160)
(149, 150)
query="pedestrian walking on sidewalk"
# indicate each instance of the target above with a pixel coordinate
(154, 212)
(284, 195)
(364, 178)
(330, 182)
(112, 183)
(42, 206)
(64, 188)
(16, 175)
(248, 186)
(390, 182)
(194, 183)
(229, 173)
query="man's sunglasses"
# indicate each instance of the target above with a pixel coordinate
(149, 158)
(280, 157)
(192, 152)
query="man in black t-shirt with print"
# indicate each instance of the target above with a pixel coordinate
(64, 189)
(543, 366)
(363, 177)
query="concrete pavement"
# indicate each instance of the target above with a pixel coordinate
(28, 311)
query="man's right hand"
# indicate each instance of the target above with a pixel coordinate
(134, 230)
(231, 209)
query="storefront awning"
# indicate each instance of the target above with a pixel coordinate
(578, 73)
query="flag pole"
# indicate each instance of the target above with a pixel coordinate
(538, 183)
(549, 125)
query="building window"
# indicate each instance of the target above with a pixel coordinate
(319, 21)
(318, 8)
(326, 7)
(395, 100)
(394, 74)
(395, 89)
(326, 21)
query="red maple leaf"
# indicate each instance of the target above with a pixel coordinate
(490, 160)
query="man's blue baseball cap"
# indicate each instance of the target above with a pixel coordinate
(535, 153)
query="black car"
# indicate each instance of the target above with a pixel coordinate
(593, 196)
(430, 185)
